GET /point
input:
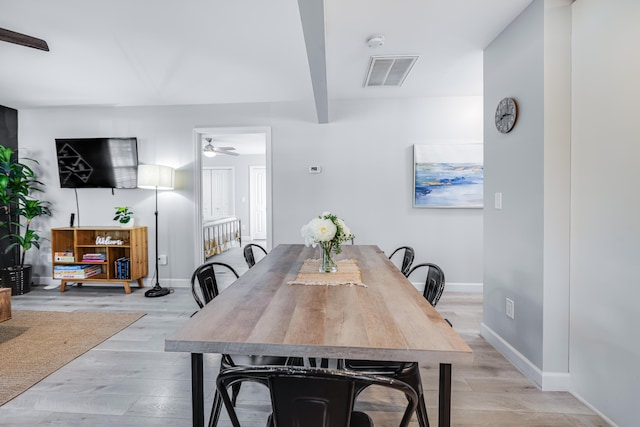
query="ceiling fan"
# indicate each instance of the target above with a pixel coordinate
(211, 151)
(23, 39)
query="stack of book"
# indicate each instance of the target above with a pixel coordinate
(122, 268)
(75, 271)
(98, 257)
(63, 257)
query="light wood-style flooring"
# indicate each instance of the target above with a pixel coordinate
(129, 381)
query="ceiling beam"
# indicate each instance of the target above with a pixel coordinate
(312, 17)
(23, 39)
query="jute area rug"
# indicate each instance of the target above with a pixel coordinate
(34, 344)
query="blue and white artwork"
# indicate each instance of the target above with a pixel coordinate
(448, 176)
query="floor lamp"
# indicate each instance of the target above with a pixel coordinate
(156, 177)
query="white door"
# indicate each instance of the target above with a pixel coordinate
(258, 202)
(217, 193)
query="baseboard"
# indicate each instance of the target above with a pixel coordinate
(464, 287)
(51, 283)
(546, 381)
(454, 287)
(185, 283)
(588, 405)
(556, 381)
(47, 281)
(172, 283)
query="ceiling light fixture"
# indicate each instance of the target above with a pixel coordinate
(375, 41)
(208, 149)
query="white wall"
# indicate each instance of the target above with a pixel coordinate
(527, 242)
(365, 152)
(513, 266)
(605, 233)
(557, 193)
(602, 314)
(366, 155)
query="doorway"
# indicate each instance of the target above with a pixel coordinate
(245, 175)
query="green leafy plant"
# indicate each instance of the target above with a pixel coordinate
(18, 185)
(123, 214)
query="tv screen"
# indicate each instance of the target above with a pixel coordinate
(97, 162)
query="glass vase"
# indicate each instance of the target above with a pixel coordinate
(327, 265)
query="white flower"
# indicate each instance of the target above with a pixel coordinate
(324, 229)
(318, 230)
(308, 238)
(346, 232)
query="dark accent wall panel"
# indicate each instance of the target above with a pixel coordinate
(9, 127)
(8, 138)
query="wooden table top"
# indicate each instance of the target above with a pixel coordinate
(261, 314)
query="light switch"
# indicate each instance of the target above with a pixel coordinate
(498, 200)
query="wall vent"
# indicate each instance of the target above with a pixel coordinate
(388, 70)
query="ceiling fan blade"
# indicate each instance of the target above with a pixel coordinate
(225, 148)
(230, 153)
(23, 39)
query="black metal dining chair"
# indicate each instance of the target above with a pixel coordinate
(434, 281)
(408, 372)
(407, 258)
(312, 397)
(204, 284)
(204, 287)
(249, 256)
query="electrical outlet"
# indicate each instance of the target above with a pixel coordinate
(162, 259)
(510, 309)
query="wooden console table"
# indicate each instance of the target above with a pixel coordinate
(105, 250)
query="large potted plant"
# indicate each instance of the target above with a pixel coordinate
(18, 208)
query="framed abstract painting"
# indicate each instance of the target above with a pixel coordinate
(448, 176)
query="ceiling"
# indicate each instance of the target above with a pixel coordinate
(162, 52)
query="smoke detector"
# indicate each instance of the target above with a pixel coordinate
(375, 41)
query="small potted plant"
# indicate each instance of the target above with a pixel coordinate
(19, 207)
(124, 216)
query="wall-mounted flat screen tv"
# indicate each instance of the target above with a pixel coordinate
(97, 162)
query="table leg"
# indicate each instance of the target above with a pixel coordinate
(197, 390)
(444, 404)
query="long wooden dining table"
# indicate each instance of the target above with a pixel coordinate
(268, 312)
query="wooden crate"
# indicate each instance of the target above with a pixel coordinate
(5, 304)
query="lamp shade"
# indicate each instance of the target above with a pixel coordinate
(155, 177)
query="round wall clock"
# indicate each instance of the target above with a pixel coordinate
(506, 114)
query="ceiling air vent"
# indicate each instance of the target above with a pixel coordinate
(388, 70)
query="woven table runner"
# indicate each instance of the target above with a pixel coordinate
(348, 274)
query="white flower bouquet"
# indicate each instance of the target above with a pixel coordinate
(329, 232)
